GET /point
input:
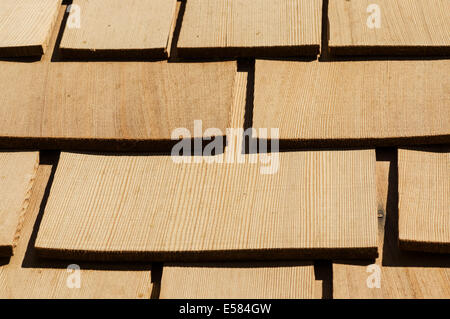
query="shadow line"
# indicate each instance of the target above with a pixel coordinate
(323, 271)
(56, 54)
(176, 33)
(29, 260)
(324, 48)
(157, 270)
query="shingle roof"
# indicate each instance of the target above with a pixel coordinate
(358, 186)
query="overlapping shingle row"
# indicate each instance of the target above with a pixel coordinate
(339, 203)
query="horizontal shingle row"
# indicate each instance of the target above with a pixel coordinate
(138, 29)
(309, 205)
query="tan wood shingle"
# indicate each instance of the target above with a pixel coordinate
(106, 105)
(424, 199)
(17, 173)
(284, 280)
(389, 27)
(317, 204)
(227, 28)
(26, 26)
(401, 274)
(25, 276)
(353, 103)
(119, 28)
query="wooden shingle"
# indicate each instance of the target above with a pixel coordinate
(111, 106)
(126, 207)
(25, 276)
(284, 280)
(237, 28)
(26, 26)
(395, 273)
(389, 27)
(353, 103)
(17, 172)
(118, 28)
(424, 199)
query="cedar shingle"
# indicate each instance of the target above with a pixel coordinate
(230, 28)
(406, 27)
(26, 25)
(318, 204)
(119, 28)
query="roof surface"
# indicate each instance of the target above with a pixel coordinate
(124, 156)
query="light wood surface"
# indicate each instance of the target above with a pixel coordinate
(277, 280)
(231, 28)
(318, 204)
(127, 102)
(424, 199)
(406, 27)
(237, 114)
(234, 139)
(120, 28)
(402, 274)
(354, 103)
(113, 106)
(25, 276)
(26, 26)
(17, 173)
(133, 100)
(21, 114)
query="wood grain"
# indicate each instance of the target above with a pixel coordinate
(111, 106)
(235, 137)
(318, 204)
(21, 114)
(133, 100)
(402, 274)
(120, 28)
(424, 204)
(17, 172)
(25, 276)
(353, 103)
(237, 114)
(407, 27)
(26, 25)
(273, 280)
(231, 28)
